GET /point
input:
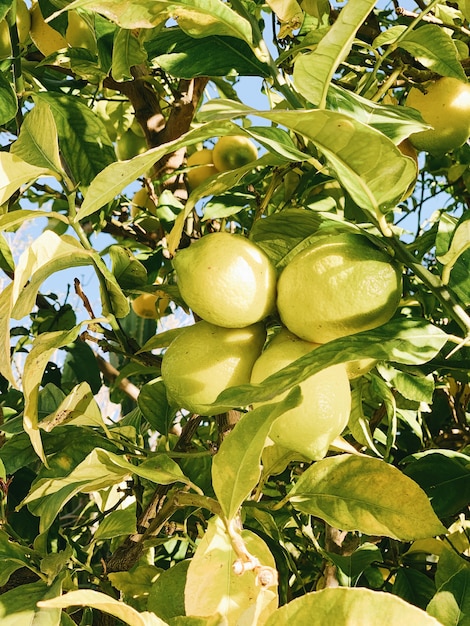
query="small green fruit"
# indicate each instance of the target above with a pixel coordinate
(233, 151)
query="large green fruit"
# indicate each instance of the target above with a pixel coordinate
(206, 359)
(226, 279)
(130, 145)
(338, 286)
(233, 151)
(324, 410)
(446, 106)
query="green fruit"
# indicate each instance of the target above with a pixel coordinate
(446, 106)
(130, 145)
(226, 279)
(79, 34)
(324, 410)
(23, 24)
(340, 285)
(206, 359)
(233, 151)
(197, 175)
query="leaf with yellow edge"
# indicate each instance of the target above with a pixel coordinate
(15, 172)
(6, 304)
(105, 603)
(43, 348)
(343, 606)
(289, 14)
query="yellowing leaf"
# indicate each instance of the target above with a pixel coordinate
(361, 493)
(289, 13)
(103, 602)
(211, 584)
(15, 172)
(345, 607)
(6, 304)
(48, 254)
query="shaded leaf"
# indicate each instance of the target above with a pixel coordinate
(19, 606)
(162, 603)
(368, 495)
(155, 407)
(413, 586)
(127, 52)
(451, 604)
(116, 524)
(8, 101)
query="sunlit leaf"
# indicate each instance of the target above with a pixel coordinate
(37, 143)
(127, 52)
(8, 101)
(19, 606)
(402, 340)
(15, 172)
(361, 493)
(105, 603)
(343, 606)
(236, 467)
(211, 584)
(313, 71)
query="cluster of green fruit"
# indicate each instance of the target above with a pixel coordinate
(339, 285)
(31, 23)
(229, 153)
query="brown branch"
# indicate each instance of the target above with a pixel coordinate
(432, 19)
(111, 374)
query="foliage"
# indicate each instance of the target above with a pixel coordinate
(159, 516)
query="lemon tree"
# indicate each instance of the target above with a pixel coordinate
(234, 312)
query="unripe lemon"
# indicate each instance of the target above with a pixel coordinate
(130, 145)
(198, 175)
(46, 39)
(23, 24)
(340, 285)
(150, 306)
(206, 359)
(142, 201)
(446, 106)
(226, 279)
(324, 411)
(233, 151)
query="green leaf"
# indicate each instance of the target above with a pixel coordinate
(48, 254)
(342, 606)
(212, 586)
(464, 6)
(460, 243)
(445, 477)
(13, 556)
(155, 407)
(6, 305)
(83, 140)
(129, 272)
(15, 218)
(366, 163)
(15, 172)
(19, 606)
(127, 52)
(43, 348)
(394, 121)
(236, 467)
(314, 71)
(358, 423)
(413, 586)
(183, 56)
(351, 567)
(37, 142)
(197, 18)
(8, 101)
(409, 341)
(78, 408)
(117, 524)
(6, 259)
(105, 603)
(365, 494)
(451, 604)
(162, 603)
(80, 366)
(434, 48)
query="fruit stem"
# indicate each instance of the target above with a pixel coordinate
(447, 298)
